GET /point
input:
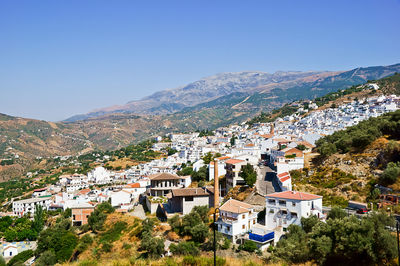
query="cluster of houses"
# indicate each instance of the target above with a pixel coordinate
(281, 145)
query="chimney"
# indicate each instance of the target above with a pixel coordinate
(216, 184)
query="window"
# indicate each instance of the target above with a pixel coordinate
(282, 202)
(293, 203)
(189, 198)
(228, 228)
(294, 214)
(243, 226)
(243, 216)
(254, 221)
(271, 201)
(271, 211)
(73, 217)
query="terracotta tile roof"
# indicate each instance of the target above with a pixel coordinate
(295, 195)
(282, 140)
(164, 176)
(84, 191)
(39, 189)
(183, 192)
(249, 145)
(132, 185)
(283, 179)
(267, 136)
(284, 176)
(223, 158)
(234, 161)
(236, 206)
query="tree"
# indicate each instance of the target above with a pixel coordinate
(203, 212)
(207, 158)
(99, 215)
(152, 245)
(232, 140)
(189, 221)
(326, 149)
(200, 175)
(336, 213)
(20, 258)
(175, 223)
(199, 233)
(185, 248)
(309, 223)
(391, 174)
(249, 246)
(47, 258)
(249, 175)
(185, 171)
(38, 219)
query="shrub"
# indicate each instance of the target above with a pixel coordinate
(152, 245)
(113, 233)
(47, 258)
(126, 246)
(391, 174)
(249, 175)
(99, 215)
(175, 223)
(106, 247)
(21, 257)
(227, 243)
(249, 246)
(199, 232)
(185, 248)
(336, 213)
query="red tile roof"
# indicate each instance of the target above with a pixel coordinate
(295, 195)
(234, 161)
(223, 158)
(267, 136)
(283, 179)
(284, 176)
(133, 185)
(84, 191)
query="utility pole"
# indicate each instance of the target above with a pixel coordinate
(398, 242)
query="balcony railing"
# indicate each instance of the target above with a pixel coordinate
(229, 220)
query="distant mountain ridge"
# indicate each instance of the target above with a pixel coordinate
(294, 84)
(203, 90)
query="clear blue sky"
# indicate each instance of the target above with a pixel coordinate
(60, 58)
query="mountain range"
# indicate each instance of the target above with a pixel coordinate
(211, 102)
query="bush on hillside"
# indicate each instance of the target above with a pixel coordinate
(21, 257)
(185, 248)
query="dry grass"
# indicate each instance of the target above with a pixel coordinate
(123, 163)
